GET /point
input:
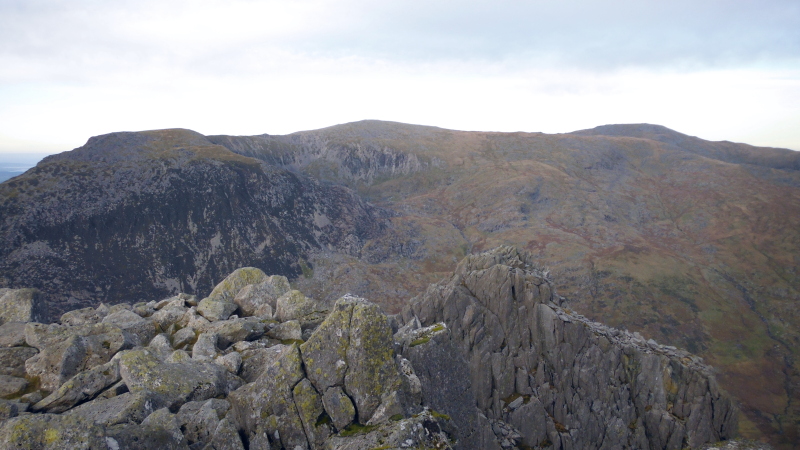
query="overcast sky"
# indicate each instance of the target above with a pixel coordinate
(720, 70)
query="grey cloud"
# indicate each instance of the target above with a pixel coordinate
(582, 33)
(81, 38)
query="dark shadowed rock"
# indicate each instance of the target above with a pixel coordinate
(79, 217)
(67, 350)
(310, 410)
(83, 386)
(267, 405)
(440, 369)
(12, 360)
(200, 421)
(593, 386)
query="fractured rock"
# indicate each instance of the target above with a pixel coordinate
(83, 386)
(232, 362)
(66, 350)
(199, 420)
(21, 305)
(293, 305)
(12, 334)
(226, 437)
(339, 407)
(440, 370)
(130, 407)
(131, 322)
(236, 330)
(260, 299)
(616, 388)
(183, 337)
(177, 383)
(85, 316)
(255, 361)
(309, 408)
(267, 404)
(205, 349)
(290, 330)
(421, 431)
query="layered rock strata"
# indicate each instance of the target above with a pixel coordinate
(559, 379)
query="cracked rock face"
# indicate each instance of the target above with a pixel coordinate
(581, 384)
(485, 360)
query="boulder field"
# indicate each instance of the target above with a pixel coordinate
(491, 358)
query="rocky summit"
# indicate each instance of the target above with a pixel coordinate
(490, 358)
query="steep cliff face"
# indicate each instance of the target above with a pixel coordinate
(560, 379)
(142, 215)
(351, 163)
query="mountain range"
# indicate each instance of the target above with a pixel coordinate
(693, 243)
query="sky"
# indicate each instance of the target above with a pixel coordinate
(720, 70)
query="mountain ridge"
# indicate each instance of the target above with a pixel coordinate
(674, 243)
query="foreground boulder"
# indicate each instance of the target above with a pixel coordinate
(51, 431)
(21, 305)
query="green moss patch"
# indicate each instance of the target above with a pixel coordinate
(355, 428)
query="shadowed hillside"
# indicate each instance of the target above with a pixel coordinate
(143, 215)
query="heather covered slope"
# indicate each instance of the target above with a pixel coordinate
(691, 242)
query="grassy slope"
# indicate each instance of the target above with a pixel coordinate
(640, 233)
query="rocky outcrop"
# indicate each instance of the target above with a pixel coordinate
(485, 360)
(104, 379)
(559, 379)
